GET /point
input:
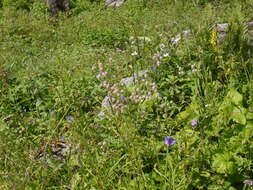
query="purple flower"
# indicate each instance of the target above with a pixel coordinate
(169, 141)
(248, 182)
(31, 122)
(194, 123)
(118, 49)
(123, 99)
(69, 118)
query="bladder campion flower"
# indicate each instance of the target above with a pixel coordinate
(248, 182)
(194, 122)
(169, 141)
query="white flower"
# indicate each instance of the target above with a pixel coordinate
(134, 53)
(99, 76)
(166, 55)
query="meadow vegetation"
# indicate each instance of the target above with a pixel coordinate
(188, 124)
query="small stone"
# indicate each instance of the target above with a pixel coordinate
(114, 3)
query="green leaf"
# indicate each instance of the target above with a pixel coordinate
(249, 116)
(75, 181)
(235, 97)
(3, 126)
(238, 115)
(222, 163)
(190, 112)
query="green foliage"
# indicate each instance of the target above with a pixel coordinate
(19, 4)
(55, 72)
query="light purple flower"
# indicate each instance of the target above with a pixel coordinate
(52, 113)
(169, 141)
(104, 73)
(31, 122)
(248, 182)
(194, 123)
(70, 118)
(118, 49)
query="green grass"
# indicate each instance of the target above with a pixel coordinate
(49, 71)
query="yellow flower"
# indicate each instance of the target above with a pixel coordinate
(213, 41)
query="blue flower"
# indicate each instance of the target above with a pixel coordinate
(123, 99)
(194, 122)
(169, 141)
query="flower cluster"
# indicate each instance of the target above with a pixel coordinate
(146, 90)
(160, 54)
(214, 38)
(102, 73)
(248, 182)
(115, 95)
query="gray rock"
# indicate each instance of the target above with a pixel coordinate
(114, 3)
(221, 27)
(222, 30)
(57, 5)
(130, 80)
(250, 24)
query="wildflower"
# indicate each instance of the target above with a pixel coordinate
(134, 53)
(105, 84)
(100, 66)
(69, 118)
(162, 46)
(166, 55)
(248, 182)
(52, 113)
(158, 63)
(194, 122)
(123, 99)
(214, 38)
(169, 141)
(161, 35)
(104, 73)
(31, 122)
(93, 68)
(118, 50)
(193, 67)
(98, 76)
